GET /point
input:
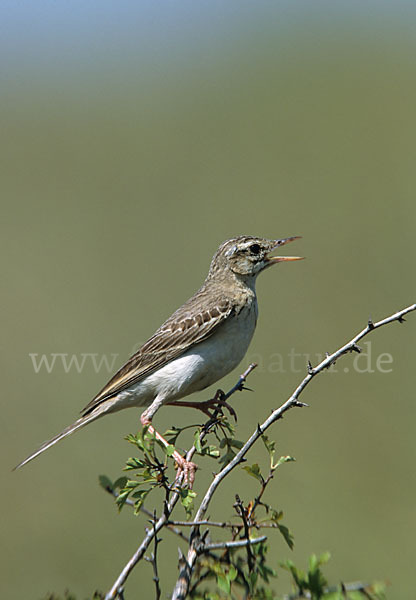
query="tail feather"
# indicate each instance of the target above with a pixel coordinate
(67, 431)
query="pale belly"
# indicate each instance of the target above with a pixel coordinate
(198, 368)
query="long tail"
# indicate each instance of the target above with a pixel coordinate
(67, 431)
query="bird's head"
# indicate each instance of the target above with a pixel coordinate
(246, 256)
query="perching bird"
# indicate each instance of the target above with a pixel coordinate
(202, 341)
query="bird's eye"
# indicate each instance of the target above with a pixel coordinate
(255, 249)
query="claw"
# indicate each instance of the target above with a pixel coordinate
(224, 404)
(185, 467)
(219, 401)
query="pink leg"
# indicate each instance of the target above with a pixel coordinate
(186, 467)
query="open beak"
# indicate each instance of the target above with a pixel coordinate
(277, 259)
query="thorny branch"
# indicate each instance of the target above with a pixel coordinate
(182, 584)
(197, 543)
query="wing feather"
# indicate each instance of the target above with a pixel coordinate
(189, 325)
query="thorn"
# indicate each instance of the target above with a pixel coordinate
(205, 535)
(244, 388)
(401, 319)
(355, 348)
(259, 430)
(370, 324)
(329, 365)
(300, 404)
(181, 559)
(310, 368)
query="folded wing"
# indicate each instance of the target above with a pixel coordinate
(191, 324)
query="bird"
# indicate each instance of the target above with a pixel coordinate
(204, 340)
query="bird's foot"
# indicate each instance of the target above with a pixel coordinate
(185, 470)
(217, 403)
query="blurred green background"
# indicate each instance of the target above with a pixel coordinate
(137, 136)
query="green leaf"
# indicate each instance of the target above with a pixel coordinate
(324, 558)
(254, 471)
(316, 583)
(134, 463)
(378, 588)
(288, 537)
(106, 483)
(266, 572)
(270, 445)
(140, 498)
(187, 500)
(236, 444)
(130, 437)
(121, 498)
(120, 482)
(232, 573)
(210, 451)
(197, 441)
(313, 562)
(172, 434)
(228, 426)
(282, 460)
(131, 484)
(253, 579)
(148, 477)
(276, 515)
(227, 457)
(297, 574)
(224, 583)
(169, 450)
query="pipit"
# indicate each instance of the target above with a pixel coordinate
(202, 341)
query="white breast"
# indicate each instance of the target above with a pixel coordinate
(201, 366)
